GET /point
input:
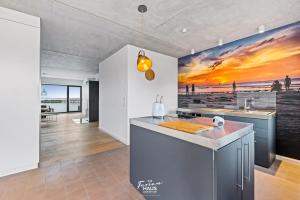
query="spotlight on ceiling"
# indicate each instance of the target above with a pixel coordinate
(184, 30)
(142, 8)
(220, 42)
(192, 51)
(261, 29)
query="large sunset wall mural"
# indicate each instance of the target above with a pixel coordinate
(264, 67)
(252, 63)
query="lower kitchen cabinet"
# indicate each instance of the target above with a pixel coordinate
(264, 133)
(235, 174)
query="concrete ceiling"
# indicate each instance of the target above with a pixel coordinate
(95, 29)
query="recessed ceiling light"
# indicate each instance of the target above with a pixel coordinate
(261, 28)
(220, 42)
(142, 8)
(183, 30)
(192, 51)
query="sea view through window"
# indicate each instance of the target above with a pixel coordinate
(61, 98)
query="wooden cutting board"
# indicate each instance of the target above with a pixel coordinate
(186, 126)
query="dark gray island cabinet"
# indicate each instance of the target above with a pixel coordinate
(264, 129)
(167, 164)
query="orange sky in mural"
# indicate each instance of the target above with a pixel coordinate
(269, 59)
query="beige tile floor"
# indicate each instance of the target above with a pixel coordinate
(280, 183)
(100, 176)
(80, 162)
(65, 140)
(105, 176)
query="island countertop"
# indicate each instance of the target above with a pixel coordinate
(215, 138)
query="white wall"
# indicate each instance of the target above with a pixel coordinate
(142, 93)
(20, 91)
(85, 99)
(113, 94)
(125, 93)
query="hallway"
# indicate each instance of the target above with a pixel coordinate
(66, 140)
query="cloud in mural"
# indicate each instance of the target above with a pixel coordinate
(257, 58)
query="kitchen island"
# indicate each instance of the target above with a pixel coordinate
(168, 164)
(264, 122)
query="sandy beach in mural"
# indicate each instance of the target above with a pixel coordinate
(219, 96)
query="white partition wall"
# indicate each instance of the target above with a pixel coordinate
(142, 93)
(19, 91)
(125, 93)
(113, 95)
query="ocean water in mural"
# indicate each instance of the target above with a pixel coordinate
(250, 64)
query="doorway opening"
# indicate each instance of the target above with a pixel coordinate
(69, 123)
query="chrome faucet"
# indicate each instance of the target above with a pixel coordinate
(247, 103)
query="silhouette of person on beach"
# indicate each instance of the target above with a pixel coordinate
(287, 82)
(187, 89)
(276, 86)
(193, 89)
(234, 86)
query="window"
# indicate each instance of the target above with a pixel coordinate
(74, 99)
(61, 98)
